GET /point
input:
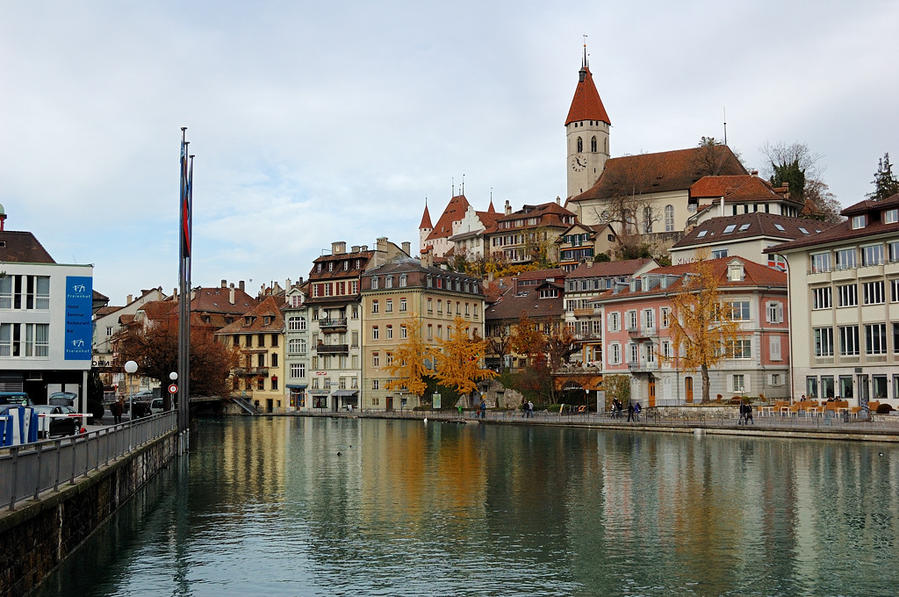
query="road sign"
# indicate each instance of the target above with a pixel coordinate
(173, 389)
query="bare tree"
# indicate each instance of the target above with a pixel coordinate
(627, 209)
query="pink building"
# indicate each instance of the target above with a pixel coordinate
(638, 338)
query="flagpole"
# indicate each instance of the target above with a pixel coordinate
(184, 296)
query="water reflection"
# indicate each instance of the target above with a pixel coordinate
(319, 506)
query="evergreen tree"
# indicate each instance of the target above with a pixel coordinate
(885, 183)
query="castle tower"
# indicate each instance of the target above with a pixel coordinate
(587, 131)
(425, 228)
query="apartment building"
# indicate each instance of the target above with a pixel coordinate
(336, 321)
(638, 338)
(844, 301)
(582, 286)
(529, 234)
(581, 244)
(398, 293)
(258, 338)
(296, 343)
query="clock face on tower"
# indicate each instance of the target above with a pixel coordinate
(578, 163)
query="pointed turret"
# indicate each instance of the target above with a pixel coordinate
(587, 129)
(425, 219)
(586, 104)
(491, 209)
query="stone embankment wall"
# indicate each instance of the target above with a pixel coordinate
(38, 535)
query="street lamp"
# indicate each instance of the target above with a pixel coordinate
(131, 369)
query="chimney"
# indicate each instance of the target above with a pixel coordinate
(407, 247)
(721, 212)
(382, 244)
(130, 298)
(175, 292)
(231, 295)
(193, 295)
(240, 285)
(754, 172)
(558, 200)
(338, 247)
(363, 248)
(224, 283)
(355, 249)
(427, 259)
(508, 208)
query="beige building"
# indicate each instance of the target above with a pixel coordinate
(844, 303)
(529, 234)
(393, 295)
(258, 337)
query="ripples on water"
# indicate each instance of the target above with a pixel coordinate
(269, 508)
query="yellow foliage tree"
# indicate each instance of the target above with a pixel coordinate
(700, 324)
(459, 359)
(408, 368)
(527, 339)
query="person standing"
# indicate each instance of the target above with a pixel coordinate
(530, 409)
(630, 411)
(117, 408)
(483, 408)
(747, 415)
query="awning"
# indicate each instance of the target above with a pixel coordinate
(297, 386)
(318, 392)
(345, 393)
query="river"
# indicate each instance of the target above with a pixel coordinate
(317, 506)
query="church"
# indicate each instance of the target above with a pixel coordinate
(644, 199)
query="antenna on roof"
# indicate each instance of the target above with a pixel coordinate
(491, 194)
(724, 109)
(453, 191)
(463, 184)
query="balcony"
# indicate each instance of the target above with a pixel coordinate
(332, 348)
(584, 312)
(251, 371)
(642, 333)
(642, 366)
(332, 325)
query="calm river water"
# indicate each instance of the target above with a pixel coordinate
(270, 508)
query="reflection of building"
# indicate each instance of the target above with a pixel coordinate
(45, 319)
(395, 294)
(296, 346)
(258, 338)
(844, 285)
(336, 321)
(638, 338)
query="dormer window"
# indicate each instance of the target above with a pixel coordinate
(374, 282)
(346, 266)
(891, 216)
(730, 228)
(735, 272)
(330, 266)
(702, 233)
(267, 320)
(858, 222)
(247, 320)
(744, 227)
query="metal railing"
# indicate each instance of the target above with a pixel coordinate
(27, 470)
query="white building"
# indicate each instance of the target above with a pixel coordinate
(296, 342)
(45, 320)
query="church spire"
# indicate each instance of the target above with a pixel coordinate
(425, 218)
(586, 104)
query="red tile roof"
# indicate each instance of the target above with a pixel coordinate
(547, 214)
(627, 267)
(425, 219)
(454, 212)
(542, 274)
(267, 308)
(586, 104)
(742, 187)
(664, 171)
(510, 306)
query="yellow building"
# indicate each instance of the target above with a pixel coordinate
(397, 292)
(258, 337)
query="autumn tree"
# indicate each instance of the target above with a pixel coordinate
(409, 365)
(700, 326)
(796, 166)
(527, 339)
(499, 342)
(885, 183)
(560, 344)
(459, 359)
(629, 211)
(155, 350)
(820, 203)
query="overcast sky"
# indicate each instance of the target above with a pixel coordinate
(315, 122)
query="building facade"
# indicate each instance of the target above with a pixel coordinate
(844, 301)
(296, 347)
(398, 293)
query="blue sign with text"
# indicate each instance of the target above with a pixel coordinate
(79, 329)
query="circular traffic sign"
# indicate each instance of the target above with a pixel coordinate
(173, 389)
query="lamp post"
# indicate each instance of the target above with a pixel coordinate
(130, 369)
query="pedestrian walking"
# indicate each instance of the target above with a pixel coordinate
(483, 408)
(742, 414)
(630, 411)
(117, 408)
(524, 408)
(747, 419)
(459, 406)
(530, 409)
(637, 409)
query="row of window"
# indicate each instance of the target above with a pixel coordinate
(579, 143)
(388, 305)
(328, 361)
(639, 354)
(388, 332)
(584, 284)
(873, 293)
(853, 257)
(259, 383)
(343, 288)
(823, 387)
(341, 265)
(388, 282)
(260, 340)
(260, 360)
(875, 336)
(19, 291)
(343, 383)
(25, 340)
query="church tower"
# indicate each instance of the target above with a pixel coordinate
(425, 227)
(587, 131)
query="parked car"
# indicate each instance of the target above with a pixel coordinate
(57, 425)
(18, 398)
(63, 398)
(156, 406)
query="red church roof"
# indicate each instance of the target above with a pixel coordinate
(454, 212)
(586, 104)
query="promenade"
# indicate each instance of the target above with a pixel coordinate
(882, 428)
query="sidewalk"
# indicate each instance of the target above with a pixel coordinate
(883, 428)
